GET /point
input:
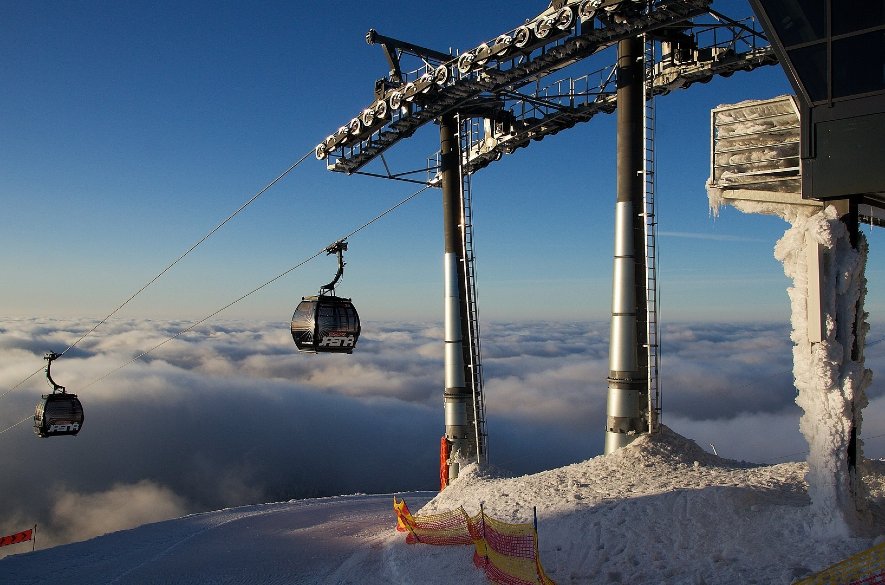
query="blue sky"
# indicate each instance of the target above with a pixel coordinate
(131, 129)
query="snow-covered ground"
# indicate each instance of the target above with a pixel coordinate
(328, 540)
(659, 511)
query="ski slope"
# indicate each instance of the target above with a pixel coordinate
(330, 540)
(659, 511)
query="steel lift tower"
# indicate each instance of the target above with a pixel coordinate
(499, 97)
(459, 402)
(627, 412)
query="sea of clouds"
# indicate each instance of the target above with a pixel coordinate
(231, 414)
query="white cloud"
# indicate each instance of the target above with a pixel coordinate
(709, 236)
(78, 516)
(232, 414)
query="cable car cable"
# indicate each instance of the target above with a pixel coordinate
(192, 248)
(227, 306)
(169, 267)
(21, 383)
(258, 288)
(201, 321)
(27, 418)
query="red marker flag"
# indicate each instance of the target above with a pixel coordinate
(17, 538)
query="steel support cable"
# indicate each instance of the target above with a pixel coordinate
(27, 418)
(34, 373)
(201, 321)
(173, 263)
(191, 249)
(256, 289)
(232, 303)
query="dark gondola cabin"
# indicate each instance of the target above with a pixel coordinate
(325, 324)
(57, 415)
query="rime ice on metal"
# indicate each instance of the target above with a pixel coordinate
(755, 168)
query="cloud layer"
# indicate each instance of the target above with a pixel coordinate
(232, 414)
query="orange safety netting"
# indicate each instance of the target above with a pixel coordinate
(441, 529)
(865, 568)
(507, 553)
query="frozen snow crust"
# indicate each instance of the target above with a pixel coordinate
(660, 511)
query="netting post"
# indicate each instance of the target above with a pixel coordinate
(485, 548)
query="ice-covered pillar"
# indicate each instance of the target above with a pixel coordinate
(627, 381)
(457, 394)
(756, 169)
(828, 362)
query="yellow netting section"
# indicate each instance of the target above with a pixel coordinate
(507, 553)
(865, 568)
(445, 528)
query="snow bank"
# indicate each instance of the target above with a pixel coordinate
(661, 510)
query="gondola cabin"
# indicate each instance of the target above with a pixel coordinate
(325, 324)
(58, 414)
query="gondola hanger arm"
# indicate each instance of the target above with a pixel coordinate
(49, 357)
(338, 248)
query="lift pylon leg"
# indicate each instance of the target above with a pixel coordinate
(627, 381)
(457, 394)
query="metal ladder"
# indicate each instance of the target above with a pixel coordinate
(651, 254)
(468, 133)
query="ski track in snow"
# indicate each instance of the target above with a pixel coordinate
(328, 540)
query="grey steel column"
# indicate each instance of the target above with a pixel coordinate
(627, 381)
(457, 394)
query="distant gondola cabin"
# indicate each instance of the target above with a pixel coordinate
(58, 414)
(325, 324)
